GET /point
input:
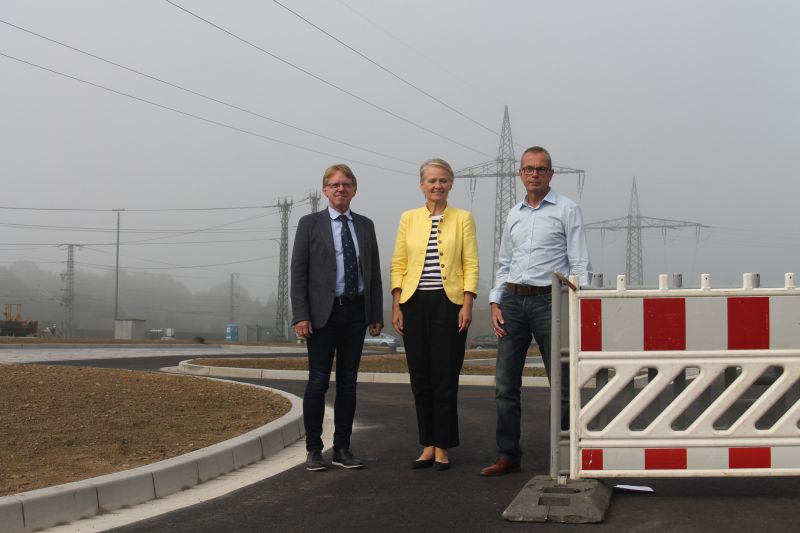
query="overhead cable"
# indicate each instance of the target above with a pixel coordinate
(326, 82)
(201, 95)
(391, 73)
(198, 117)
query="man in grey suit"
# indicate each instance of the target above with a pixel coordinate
(336, 294)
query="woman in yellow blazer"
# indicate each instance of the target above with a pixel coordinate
(434, 282)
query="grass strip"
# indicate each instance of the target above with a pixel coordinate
(395, 364)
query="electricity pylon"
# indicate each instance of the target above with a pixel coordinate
(69, 291)
(313, 197)
(282, 314)
(504, 170)
(634, 223)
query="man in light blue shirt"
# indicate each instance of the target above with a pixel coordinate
(544, 233)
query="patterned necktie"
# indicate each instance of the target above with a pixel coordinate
(350, 260)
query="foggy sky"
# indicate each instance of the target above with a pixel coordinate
(698, 100)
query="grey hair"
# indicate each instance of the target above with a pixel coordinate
(436, 162)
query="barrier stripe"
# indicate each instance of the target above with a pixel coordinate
(591, 459)
(689, 458)
(749, 458)
(664, 323)
(748, 323)
(706, 323)
(664, 458)
(591, 319)
(784, 322)
(622, 323)
(678, 324)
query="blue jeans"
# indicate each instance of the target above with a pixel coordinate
(342, 336)
(524, 316)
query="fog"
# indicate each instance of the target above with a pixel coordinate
(698, 100)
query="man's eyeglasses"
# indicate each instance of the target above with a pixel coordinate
(530, 171)
(343, 185)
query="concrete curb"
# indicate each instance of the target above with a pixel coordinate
(42, 508)
(54, 346)
(363, 377)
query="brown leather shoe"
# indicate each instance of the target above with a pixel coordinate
(501, 466)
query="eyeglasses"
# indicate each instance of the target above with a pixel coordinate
(530, 171)
(343, 185)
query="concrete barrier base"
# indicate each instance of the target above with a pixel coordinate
(543, 499)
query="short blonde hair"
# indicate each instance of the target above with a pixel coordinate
(341, 167)
(436, 162)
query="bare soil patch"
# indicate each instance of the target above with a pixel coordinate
(372, 363)
(62, 423)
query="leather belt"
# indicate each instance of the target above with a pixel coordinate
(528, 290)
(348, 300)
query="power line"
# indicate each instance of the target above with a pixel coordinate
(101, 229)
(437, 64)
(192, 232)
(326, 82)
(169, 233)
(16, 208)
(201, 95)
(199, 267)
(391, 73)
(179, 266)
(192, 115)
(94, 229)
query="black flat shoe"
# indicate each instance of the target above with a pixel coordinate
(422, 463)
(439, 467)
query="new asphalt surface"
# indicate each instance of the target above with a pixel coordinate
(388, 496)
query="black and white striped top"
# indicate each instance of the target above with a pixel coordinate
(431, 279)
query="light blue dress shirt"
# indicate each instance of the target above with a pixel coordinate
(540, 240)
(336, 227)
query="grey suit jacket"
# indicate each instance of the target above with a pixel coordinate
(313, 270)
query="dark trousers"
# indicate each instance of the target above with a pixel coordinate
(435, 354)
(524, 316)
(342, 337)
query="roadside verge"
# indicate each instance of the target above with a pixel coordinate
(187, 367)
(46, 507)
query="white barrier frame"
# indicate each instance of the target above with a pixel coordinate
(700, 434)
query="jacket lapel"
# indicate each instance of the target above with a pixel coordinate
(361, 235)
(324, 228)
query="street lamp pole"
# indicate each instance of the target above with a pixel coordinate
(116, 274)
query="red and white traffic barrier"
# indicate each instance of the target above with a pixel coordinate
(740, 333)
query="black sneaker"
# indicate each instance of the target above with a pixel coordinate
(345, 459)
(314, 461)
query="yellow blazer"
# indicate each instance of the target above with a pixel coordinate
(458, 252)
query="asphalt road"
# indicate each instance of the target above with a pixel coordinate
(388, 496)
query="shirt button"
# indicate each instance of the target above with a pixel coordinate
(442, 265)
(441, 254)
(444, 278)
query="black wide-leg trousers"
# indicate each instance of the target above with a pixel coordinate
(435, 354)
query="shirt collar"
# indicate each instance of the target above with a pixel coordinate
(334, 214)
(550, 198)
